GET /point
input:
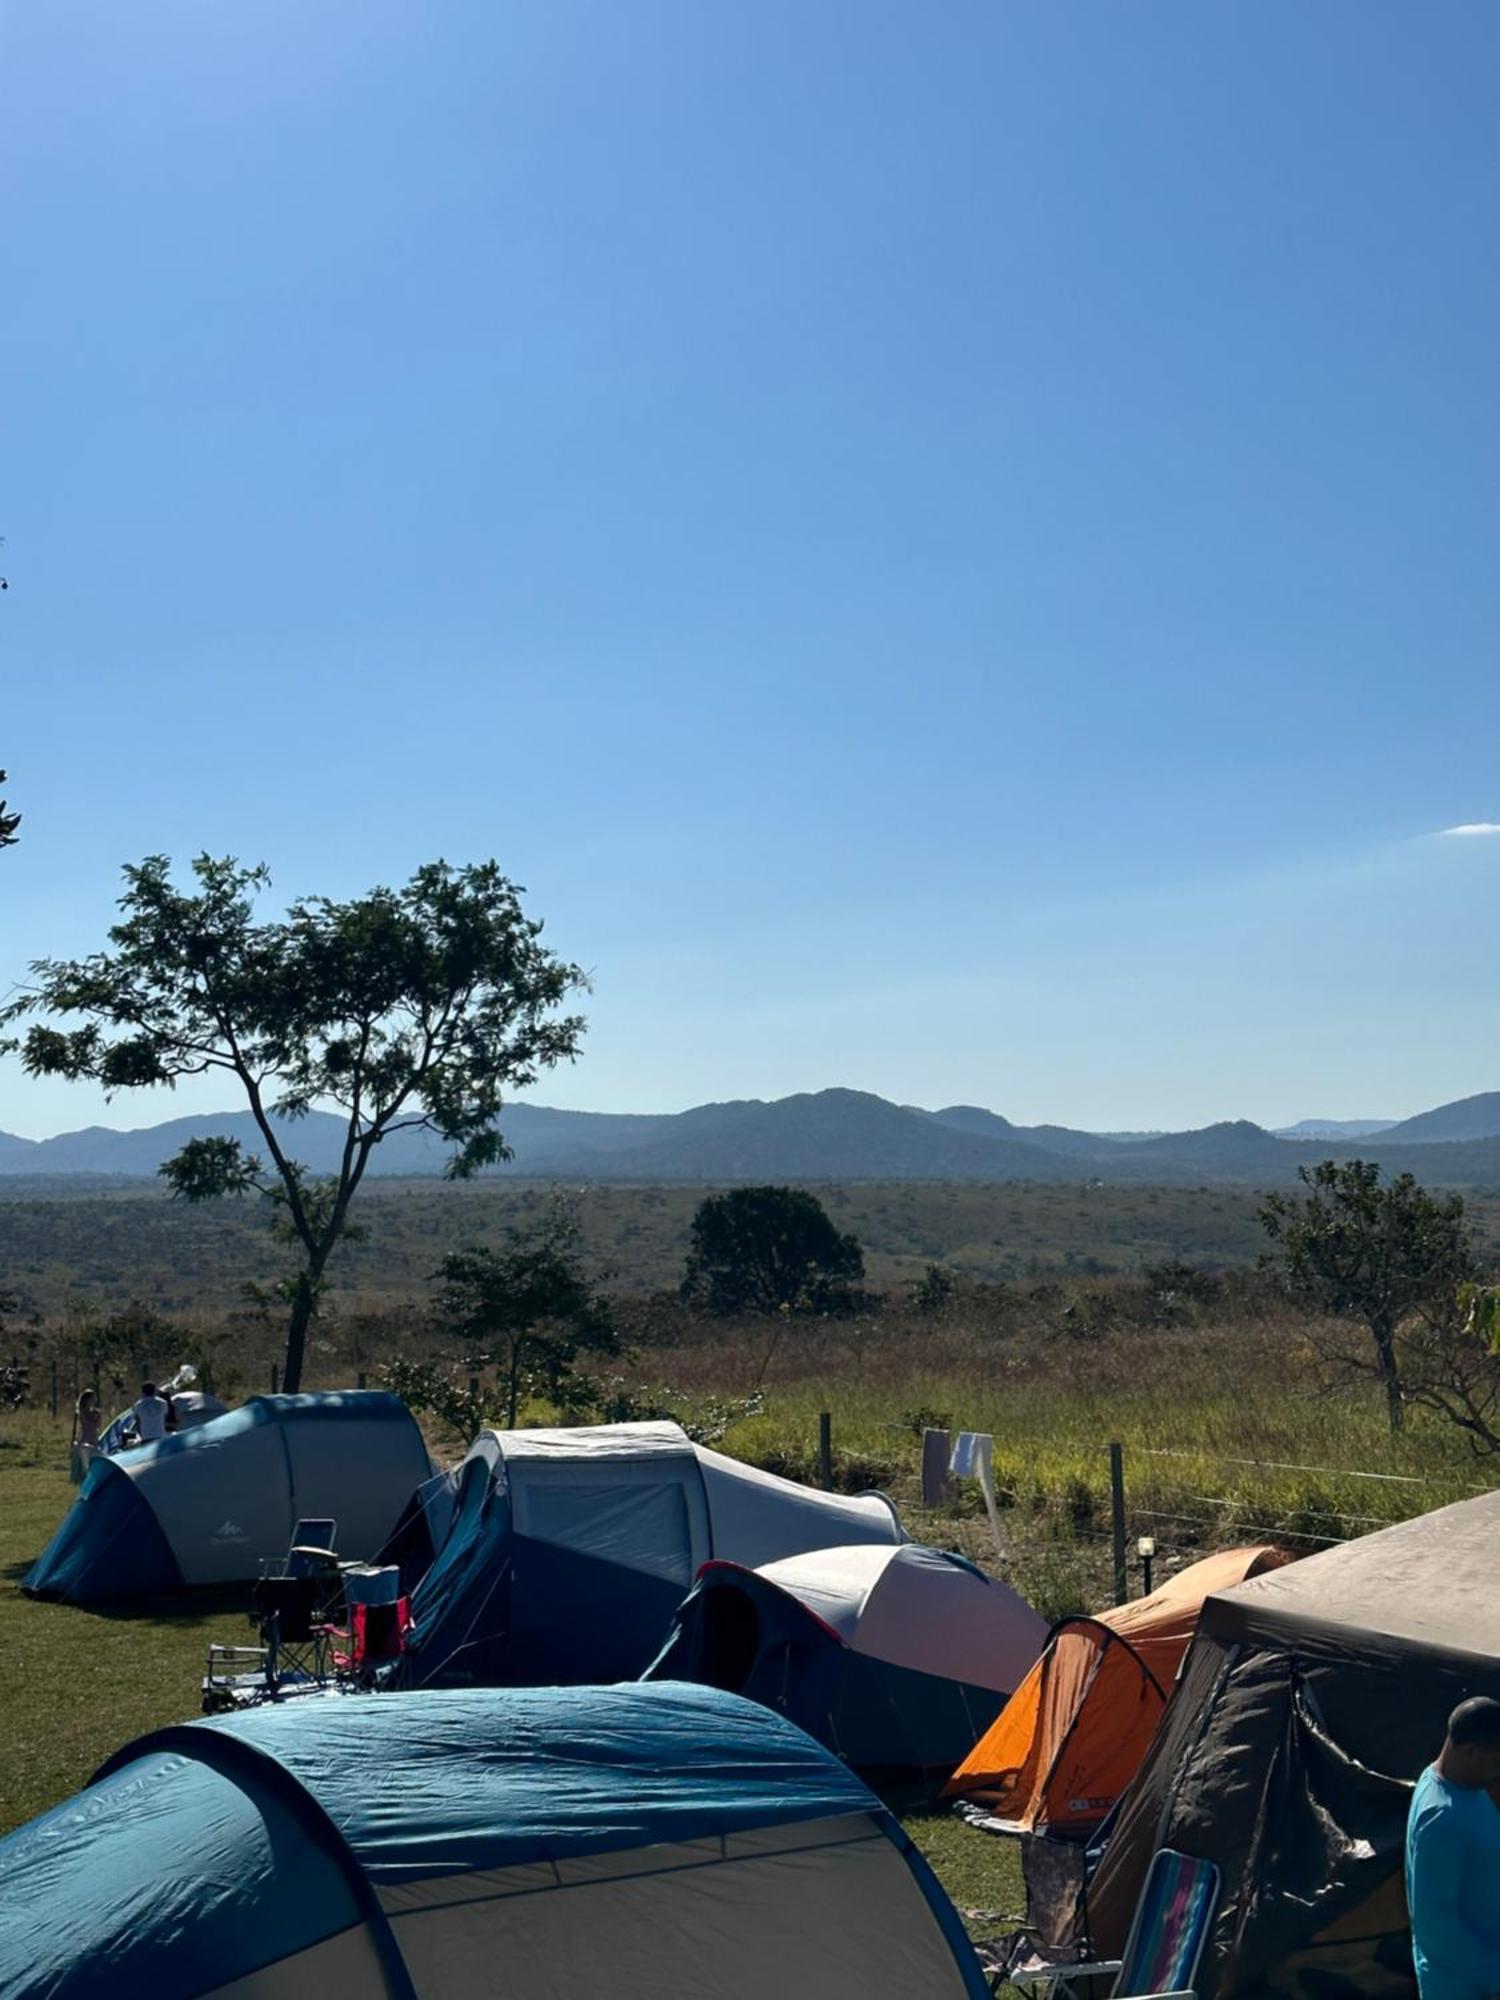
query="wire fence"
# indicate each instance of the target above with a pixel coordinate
(1159, 1522)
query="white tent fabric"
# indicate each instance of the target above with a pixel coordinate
(646, 1496)
(759, 1518)
(593, 1442)
(915, 1607)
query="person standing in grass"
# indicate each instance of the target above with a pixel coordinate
(1453, 1860)
(85, 1436)
(151, 1414)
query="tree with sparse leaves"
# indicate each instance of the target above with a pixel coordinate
(526, 1310)
(769, 1250)
(1375, 1255)
(10, 822)
(408, 1009)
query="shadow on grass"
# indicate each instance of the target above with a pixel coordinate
(187, 1608)
(193, 1607)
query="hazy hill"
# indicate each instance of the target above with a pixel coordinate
(16, 1155)
(1466, 1118)
(1234, 1149)
(827, 1135)
(830, 1135)
(1052, 1138)
(1334, 1128)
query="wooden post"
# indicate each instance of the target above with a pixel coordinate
(275, 1378)
(54, 1388)
(825, 1449)
(359, 1379)
(1117, 1519)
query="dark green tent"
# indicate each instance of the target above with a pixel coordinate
(1310, 1700)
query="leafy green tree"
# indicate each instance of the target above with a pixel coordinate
(10, 822)
(770, 1250)
(525, 1310)
(439, 1390)
(934, 1292)
(407, 1009)
(1451, 1364)
(1371, 1254)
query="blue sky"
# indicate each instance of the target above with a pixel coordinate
(952, 549)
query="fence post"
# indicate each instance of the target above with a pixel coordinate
(359, 1380)
(1117, 1519)
(473, 1385)
(275, 1378)
(825, 1449)
(54, 1389)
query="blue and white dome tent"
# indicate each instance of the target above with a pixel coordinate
(208, 1505)
(568, 1551)
(644, 1842)
(896, 1658)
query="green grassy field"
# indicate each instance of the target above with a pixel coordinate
(78, 1685)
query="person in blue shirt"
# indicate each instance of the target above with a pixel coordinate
(1453, 1860)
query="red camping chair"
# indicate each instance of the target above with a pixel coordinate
(379, 1622)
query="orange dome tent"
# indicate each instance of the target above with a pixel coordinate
(1072, 1736)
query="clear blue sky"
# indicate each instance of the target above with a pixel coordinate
(952, 548)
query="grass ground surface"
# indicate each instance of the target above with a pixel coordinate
(77, 1684)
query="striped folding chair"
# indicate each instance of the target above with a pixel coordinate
(1167, 1937)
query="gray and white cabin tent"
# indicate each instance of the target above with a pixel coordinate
(648, 1843)
(569, 1550)
(210, 1504)
(895, 1658)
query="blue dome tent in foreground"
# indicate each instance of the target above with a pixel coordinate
(568, 1551)
(641, 1842)
(207, 1505)
(896, 1658)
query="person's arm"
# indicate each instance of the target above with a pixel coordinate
(1439, 1923)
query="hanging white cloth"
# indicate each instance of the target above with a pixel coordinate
(964, 1464)
(974, 1458)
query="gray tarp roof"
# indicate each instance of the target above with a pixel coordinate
(1426, 1587)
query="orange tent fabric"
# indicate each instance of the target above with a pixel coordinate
(1073, 1735)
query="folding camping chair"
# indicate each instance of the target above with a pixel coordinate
(293, 1604)
(1056, 1870)
(312, 1550)
(1166, 1941)
(379, 1619)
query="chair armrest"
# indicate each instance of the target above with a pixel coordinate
(1050, 1975)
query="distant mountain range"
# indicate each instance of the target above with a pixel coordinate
(833, 1135)
(1338, 1128)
